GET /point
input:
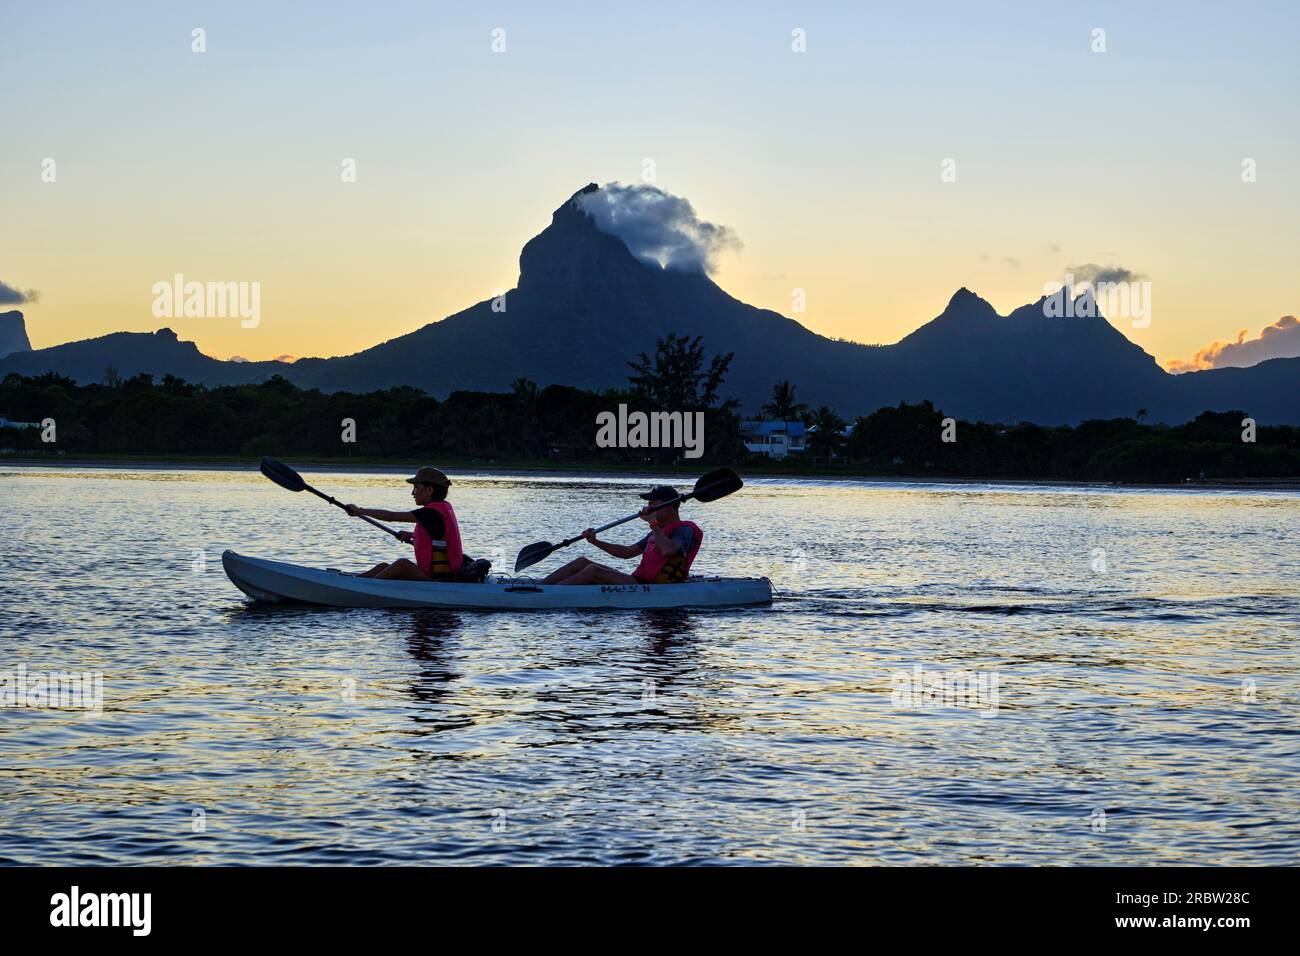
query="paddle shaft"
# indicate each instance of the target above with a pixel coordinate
(636, 514)
(339, 504)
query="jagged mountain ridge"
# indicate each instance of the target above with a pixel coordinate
(584, 305)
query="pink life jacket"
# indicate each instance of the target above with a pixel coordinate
(439, 557)
(675, 567)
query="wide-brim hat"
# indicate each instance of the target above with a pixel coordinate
(428, 475)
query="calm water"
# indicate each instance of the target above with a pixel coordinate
(1144, 644)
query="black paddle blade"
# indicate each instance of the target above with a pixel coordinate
(717, 484)
(530, 555)
(282, 474)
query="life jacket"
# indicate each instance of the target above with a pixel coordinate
(438, 558)
(655, 568)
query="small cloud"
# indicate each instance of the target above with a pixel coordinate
(11, 296)
(1279, 340)
(1092, 273)
(1054, 249)
(1011, 261)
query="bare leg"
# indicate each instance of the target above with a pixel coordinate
(405, 570)
(568, 571)
(594, 573)
(375, 571)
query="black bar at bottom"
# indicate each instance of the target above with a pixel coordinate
(335, 905)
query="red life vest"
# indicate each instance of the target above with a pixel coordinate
(439, 557)
(656, 568)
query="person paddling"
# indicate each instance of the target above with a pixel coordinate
(667, 551)
(436, 538)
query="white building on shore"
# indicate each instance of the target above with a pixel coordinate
(774, 439)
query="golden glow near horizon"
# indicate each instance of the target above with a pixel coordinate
(225, 165)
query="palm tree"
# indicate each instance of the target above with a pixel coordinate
(825, 433)
(524, 389)
(783, 407)
(1142, 413)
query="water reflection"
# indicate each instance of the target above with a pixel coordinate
(667, 629)
(428, 633)
(668, 663)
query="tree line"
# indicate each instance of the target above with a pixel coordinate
(557, 424)
(919, 439)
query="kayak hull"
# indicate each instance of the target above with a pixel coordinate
(282, 583)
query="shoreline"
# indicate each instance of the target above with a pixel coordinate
(614, 469)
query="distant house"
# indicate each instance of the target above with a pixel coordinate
(846, 432)
(774, 439)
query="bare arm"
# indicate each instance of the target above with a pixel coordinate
(615, 550)
(379, 514)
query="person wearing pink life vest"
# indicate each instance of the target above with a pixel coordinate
(667, 551)
(436, 538)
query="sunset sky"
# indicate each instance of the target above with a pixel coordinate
(225, 165)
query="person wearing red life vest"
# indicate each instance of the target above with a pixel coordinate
(667, 551)
(436, 538)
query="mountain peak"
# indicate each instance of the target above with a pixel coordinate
(1058, 304)
(572, 254)
(573, 205)
(964, 302)
(13, 333)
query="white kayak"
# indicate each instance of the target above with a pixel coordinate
(277, 581)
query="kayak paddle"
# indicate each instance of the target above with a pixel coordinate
(286, 477)
(716, 484)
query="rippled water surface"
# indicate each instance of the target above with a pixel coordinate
(1144, 644)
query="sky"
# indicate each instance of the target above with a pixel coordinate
(830, 166)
